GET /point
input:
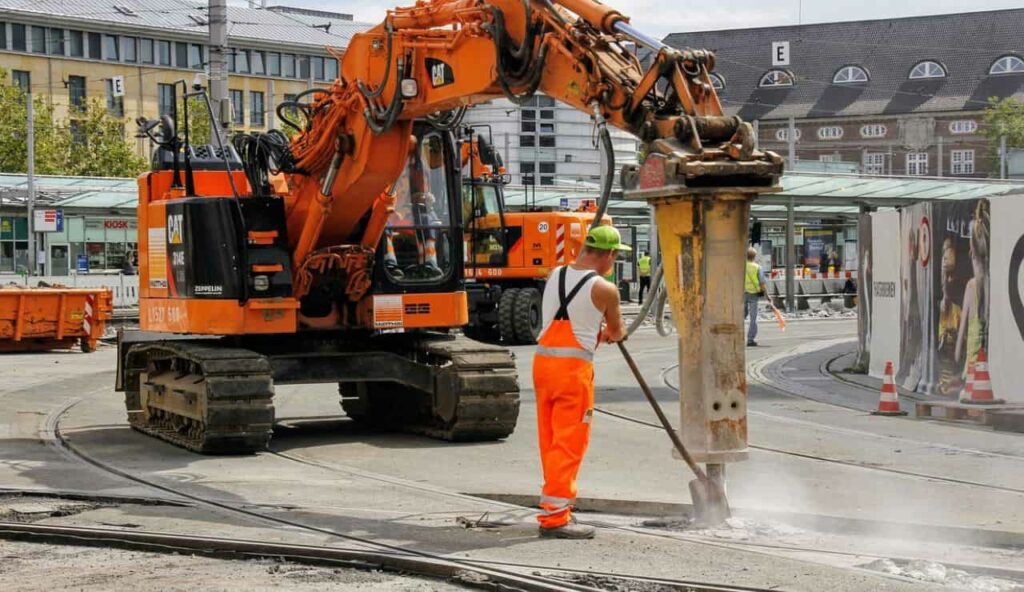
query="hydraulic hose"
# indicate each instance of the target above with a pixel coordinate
(645, 308)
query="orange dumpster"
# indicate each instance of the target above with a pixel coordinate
(52, 317)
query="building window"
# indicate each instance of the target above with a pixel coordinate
(528, 126)
(180, 54)
(782, 134)
(829, 158)
(274, 64)
(568, 158)
(18, 37)
(527, 167)
(547, 128)
(76, 91)
(56, 42)
(874, 163)
(146, 55)
(547, 167)
(776, 79)
(111, 51)
(256, 108)
(76, 40)
(38, 40)
(830, 132)
(22, 79)
(917, 164)
(163, 52)
(258, 63)
(1007, 65)
(77, 133)
(547, 114)
(963, 162)
(527, 141)
(129, 49)
(288, 65)
(547, 180)
(963, 126)
(3, 35)
(874, 130)
(529, 114)
(237, 107)
(331, 65)
(195, 56)
(165, 98)
(927, 69)
(718, 82)
(95, 46)
(547, 141)
(303, 67)
(318, 68)
(850, 75)
(115, 105)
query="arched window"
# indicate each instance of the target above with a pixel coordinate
(717, 81)
(1010, 64)
(775, 79)
(927, 69)
(850, 75)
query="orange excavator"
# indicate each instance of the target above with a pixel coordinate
(337, 256)
(511, 250)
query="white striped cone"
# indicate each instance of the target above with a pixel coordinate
(981, 390)
(560, 244)
(888, 400)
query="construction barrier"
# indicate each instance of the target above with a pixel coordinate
(941, 283)
(125, 288)
(52, 318)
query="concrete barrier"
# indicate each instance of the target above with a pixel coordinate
(124, 287)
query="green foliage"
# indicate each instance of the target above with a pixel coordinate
(1004, 117)
(198, 121)
(89, 142)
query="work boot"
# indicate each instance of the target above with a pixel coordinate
(751, 343)
(571, 530)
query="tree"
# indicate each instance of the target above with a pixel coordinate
(89, 142)
(1004, 117)
(51, 141)
(98, 146)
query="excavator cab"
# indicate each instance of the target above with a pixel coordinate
(483, 202)
(421, 250)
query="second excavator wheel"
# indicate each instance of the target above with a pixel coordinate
(507, 316)
(527, 315)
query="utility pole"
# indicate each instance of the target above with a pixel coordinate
(941, 157)
(791, 138)
(218, 20)
(31, 198)
(1002, 156)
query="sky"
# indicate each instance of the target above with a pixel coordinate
(661, 17)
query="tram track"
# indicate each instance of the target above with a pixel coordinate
(361, 552)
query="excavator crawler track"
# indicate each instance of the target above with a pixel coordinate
(208, 399)
(476, 394)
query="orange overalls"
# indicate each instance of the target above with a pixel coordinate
(563, 380)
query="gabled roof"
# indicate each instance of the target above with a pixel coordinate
(190, 18)
(965, 44)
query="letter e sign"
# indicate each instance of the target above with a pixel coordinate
(117, 86)
(780, 53)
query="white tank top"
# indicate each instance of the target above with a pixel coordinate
(585, 317)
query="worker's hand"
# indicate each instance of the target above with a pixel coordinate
(607, 336)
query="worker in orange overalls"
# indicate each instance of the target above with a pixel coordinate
(580, 309)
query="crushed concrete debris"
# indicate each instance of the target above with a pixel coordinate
(937, 573)
(17, 508)
(735, 529)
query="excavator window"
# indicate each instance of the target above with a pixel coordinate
(481, 209)
(419, 232)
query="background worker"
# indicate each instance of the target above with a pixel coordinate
(577, 302)
(643, 265)
(754, 285)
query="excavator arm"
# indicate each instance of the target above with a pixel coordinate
(441, 56)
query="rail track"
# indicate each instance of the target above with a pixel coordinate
(360, 552)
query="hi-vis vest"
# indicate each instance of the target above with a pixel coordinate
(751, 281)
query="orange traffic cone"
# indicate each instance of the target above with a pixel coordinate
(888, 404)
(981, 390)
(969, 386)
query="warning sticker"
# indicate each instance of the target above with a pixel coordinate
(157, 258)
(387, 312)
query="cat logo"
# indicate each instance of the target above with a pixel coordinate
(174, 229)
(441, 74)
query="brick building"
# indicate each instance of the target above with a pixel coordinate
(897, 97)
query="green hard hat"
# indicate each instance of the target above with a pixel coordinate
(606, 238)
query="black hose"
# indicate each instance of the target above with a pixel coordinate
(604, 140)
(263, 154)
(387, 69)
